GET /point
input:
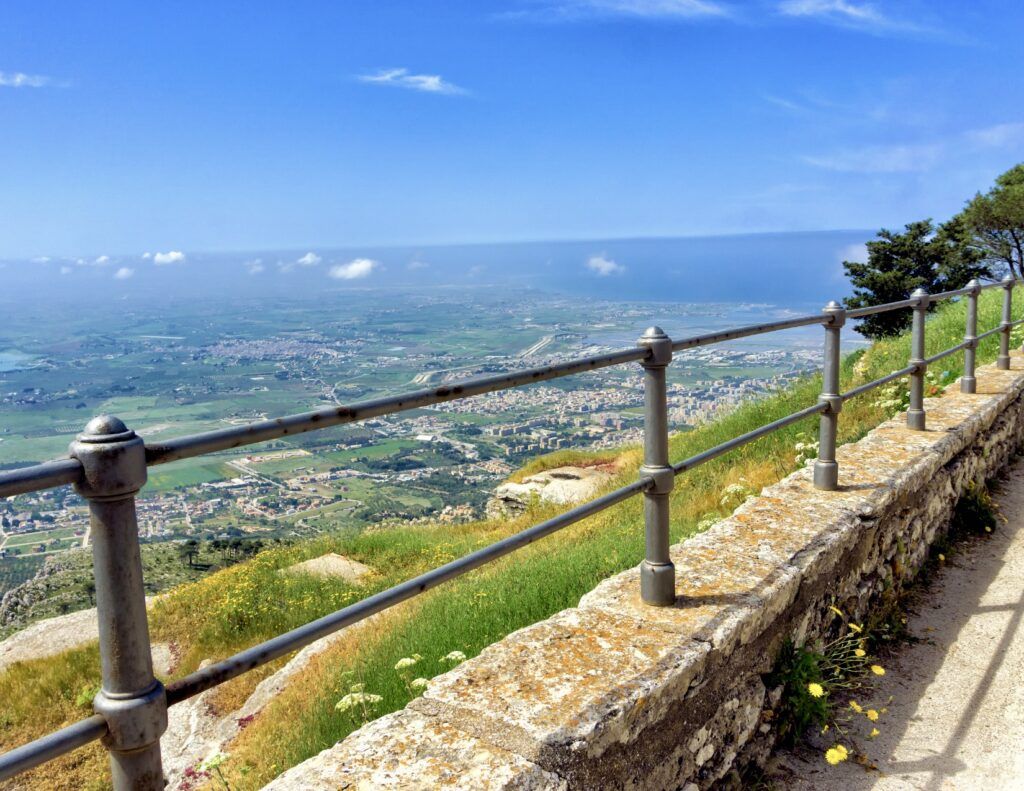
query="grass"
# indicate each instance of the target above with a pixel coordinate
(253, 601)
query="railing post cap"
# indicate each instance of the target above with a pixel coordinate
(921, 296)
(105, 428)
(113, 459)
(1009, 281)
(655, 339)
(836, 313)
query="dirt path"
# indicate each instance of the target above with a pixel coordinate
(956, 720)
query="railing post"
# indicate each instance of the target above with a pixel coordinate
(826, 469)
(1003, 360)
(657, 573)
(968, 382)
(132, 701)
(915, 414)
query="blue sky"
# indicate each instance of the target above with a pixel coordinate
(127, 127)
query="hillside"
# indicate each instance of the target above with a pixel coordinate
(251, 601)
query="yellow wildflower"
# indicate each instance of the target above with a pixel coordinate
(878, 670)
(856, 706)
(942, 558)
(874, 732)
(836, 754)
(815, 689)
(872, 715)
(837, 611)
(825, 729)
(988, 529)
(860, 652)
(856, 629)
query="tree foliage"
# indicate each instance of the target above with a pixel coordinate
(996, 220)
(922, 256)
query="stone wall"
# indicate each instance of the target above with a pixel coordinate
(614, 694)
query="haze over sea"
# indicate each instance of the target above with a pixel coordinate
(785, 269)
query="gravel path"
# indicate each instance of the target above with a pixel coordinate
(956, 720)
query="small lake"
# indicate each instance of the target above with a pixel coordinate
(12, 360)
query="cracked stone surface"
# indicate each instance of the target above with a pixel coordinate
(408, 751)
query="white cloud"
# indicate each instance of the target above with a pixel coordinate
(353, 270)
(414, 265)
(255, 266)
(146, 256)
(839, 9)
(401, 78)
(41, 259)
(18, 79)
(786, 104)
(172, 257)
(603, 266)
(101, 260)
(857, 15)
(998, 136)
(66, 270)
(570, 10)
(880, 159)
(124, 273)
(309, 259)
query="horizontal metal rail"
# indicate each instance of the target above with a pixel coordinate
(252, 433)
(750, 436)
(957, 292)
(302, 636)
(859, 313)
(712, 338)
(947, 352)
(870, 310)
(40, 476)
(65, 471)
(51, 746)
(994, 331)
(884, 380)
(961, 292)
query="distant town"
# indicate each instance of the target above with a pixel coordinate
(195, 372)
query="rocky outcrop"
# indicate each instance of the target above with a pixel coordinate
(331, 565)
(562, 485)
(614, 694)
(17, 603)
(56, 635)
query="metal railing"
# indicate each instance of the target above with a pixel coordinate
(108, 465)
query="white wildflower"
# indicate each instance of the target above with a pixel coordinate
(212, 762)
(405, 663)
(354, 699)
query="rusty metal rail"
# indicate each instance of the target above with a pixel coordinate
(108, 466)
